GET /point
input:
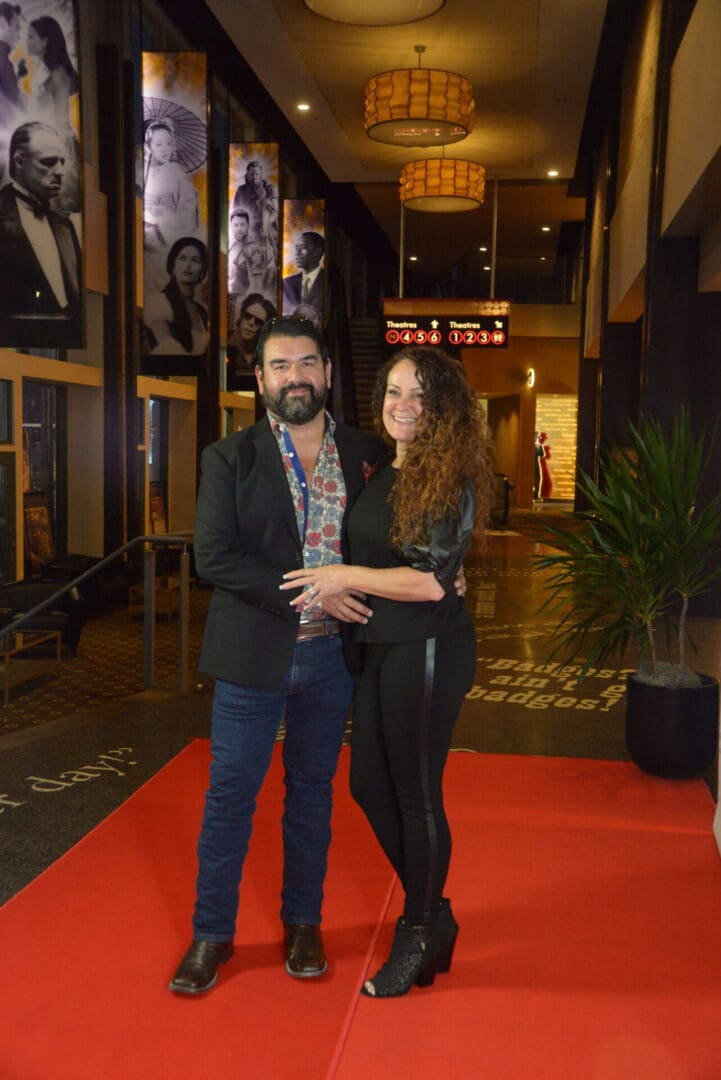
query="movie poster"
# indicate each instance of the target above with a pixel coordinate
(304, 258)
(41, 201)
(175, 213)
(253, 249)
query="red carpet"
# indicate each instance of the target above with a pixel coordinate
(589, 898)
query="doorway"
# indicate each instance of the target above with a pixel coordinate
(556, 420)
(45, 471)
(504, 423)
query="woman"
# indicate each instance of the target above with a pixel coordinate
(51, 98)
(46, 43)
(408, 534)
(176, 323)
(170, 202)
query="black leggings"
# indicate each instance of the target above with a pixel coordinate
(406, 706)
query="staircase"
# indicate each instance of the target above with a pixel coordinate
(367, 358)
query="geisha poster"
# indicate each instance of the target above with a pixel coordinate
(41, 227)
(175, 213)
(253, 250)
(304, 258)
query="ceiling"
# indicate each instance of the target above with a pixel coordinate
(530, 63)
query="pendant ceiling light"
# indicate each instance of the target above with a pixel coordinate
(419, 106)
(375, 12)
(442, 185)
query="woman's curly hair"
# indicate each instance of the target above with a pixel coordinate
(452, 449)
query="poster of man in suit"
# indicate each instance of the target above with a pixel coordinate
(41, 266)
(304, 276)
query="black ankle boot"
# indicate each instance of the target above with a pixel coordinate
(412, 960)
(447, 929)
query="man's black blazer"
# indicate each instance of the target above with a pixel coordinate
(246, 538)
(24, 289)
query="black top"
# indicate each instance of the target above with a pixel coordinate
(369, 525)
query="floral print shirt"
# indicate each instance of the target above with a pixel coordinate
(326, 498)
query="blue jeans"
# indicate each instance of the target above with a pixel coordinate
(314, 698)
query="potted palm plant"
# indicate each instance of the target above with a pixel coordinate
(647, 548)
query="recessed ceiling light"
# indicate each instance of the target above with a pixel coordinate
(545, 228)
(543, 258)
(413, 258)
(552, 172)
(483, 249)
(486, 268)
(303, 106)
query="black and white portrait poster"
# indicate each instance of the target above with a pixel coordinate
(41, 267)
(304, 258)
(253, 252)
(175, 213)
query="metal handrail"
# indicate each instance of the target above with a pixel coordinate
(180, 540)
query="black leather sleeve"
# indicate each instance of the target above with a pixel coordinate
(447, 545)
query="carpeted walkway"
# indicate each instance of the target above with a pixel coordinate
(588, 896)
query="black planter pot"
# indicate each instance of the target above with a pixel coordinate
(672, 731)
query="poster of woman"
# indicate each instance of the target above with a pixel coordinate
(304, 258)
(253, 251)
(41, 271)
(175, 213)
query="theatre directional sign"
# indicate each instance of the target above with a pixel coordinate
(457, 331)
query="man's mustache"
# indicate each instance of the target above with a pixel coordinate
(296, 386)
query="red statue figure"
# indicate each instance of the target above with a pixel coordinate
(546, 478)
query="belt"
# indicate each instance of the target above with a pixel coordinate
(323, 627)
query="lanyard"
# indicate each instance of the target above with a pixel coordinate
(300, 476)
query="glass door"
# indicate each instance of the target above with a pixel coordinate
(158, 465)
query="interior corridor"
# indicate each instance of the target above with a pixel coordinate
(91, 712)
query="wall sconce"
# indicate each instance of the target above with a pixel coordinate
(531, 378)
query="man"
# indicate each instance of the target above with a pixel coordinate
(273, 497)
(238, 280)
(307, 286)
(40, 264)
(255, 311)
(256, 196)
(9, 37)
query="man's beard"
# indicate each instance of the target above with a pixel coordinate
(296, 410)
